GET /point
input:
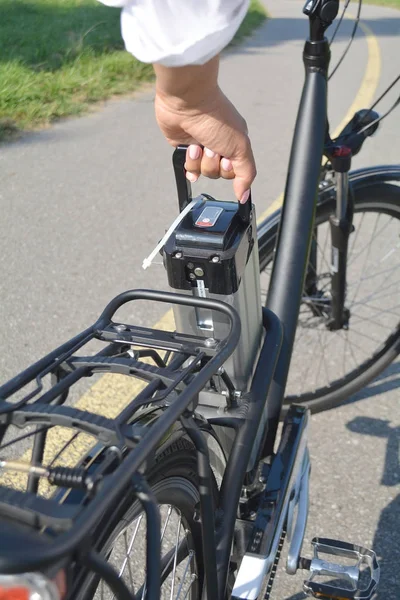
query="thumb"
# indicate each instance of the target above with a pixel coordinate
(245, 172)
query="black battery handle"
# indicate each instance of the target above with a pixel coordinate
(184, 187)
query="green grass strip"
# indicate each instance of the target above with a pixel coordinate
(388, 3)
(60, 56)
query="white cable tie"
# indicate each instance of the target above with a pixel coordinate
(147, 261)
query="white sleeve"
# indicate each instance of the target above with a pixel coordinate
(178, 32)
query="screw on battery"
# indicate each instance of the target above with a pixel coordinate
(199, 272)
(215, 259)
(178, 255)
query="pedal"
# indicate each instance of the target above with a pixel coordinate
(356, 580)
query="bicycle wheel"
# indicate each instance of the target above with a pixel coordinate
(329, 366)
(173, 481)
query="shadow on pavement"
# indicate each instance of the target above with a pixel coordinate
(386, 542)
(387, 536)
(388, 380)
(278, 31)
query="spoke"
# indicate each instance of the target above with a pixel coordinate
(382, 284)
(305, 376)
(390, 252)
(184, 573)
(368, 277)
(368, 337)
(128, 557)
(350, 345)
(368, 245)
(162, 536)
(322, 357)
(373, 281)
(376, 296)
(365, 261)
(130, 546)
(354, 344)
(357, 319)
(346, 341)
(386, 251)
(166, 521)
(175, 557)
(324, 348)
(353, 355)
(374, 235)
(194, 577)
(328, 266)
(356, 236)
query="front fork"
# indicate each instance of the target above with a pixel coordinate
(341, 225)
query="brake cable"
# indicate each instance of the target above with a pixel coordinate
(340, 21)
(353, 33)
(394, 105)
(381, 117)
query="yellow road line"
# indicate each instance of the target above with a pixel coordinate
(111, 393)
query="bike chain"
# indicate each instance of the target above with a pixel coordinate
(275, 565)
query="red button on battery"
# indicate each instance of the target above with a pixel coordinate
(209, 216)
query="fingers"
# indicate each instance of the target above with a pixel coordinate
(241, 168)
(208, 163)
(244, 167)
(194, 154)
(226, 169)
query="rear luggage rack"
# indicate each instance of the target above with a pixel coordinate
(177, 368)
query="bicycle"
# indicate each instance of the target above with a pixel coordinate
(194, 448)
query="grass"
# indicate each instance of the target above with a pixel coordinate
(60, 56)
(388, 3)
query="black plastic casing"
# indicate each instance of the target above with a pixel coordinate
(221, 251)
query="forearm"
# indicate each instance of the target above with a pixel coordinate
(188, 86)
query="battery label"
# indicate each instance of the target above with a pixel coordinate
(209, 216)
(201, 288)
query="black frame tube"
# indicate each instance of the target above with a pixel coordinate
(238, 461)
(101, 567)
(207, 509)
(297, 222)
(39, 443)
(153, 538)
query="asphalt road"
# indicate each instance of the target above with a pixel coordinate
(83, 203)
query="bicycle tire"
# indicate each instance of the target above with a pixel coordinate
(372, 195)
(174, 482)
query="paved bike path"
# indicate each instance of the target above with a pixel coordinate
(83, 202)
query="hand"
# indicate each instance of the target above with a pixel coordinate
(206, 118)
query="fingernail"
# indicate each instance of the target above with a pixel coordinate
(245, 197)
(194, 152)
(209, 153)
(226, 164)
(191, 176)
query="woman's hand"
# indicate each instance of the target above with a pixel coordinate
(191, 109)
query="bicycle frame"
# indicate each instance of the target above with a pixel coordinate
(260, 408)
(289, 270)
